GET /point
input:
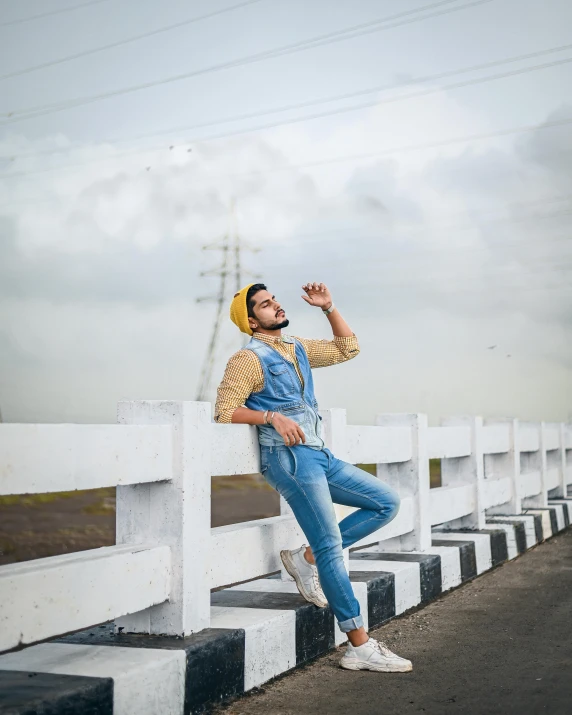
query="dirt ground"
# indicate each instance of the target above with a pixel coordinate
(40, 525)
(499, 645)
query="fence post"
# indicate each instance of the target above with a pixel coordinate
(543, 461)
(410, 479)
(506, 464)
(535, 461)
(561, 491)
(334, 422)
(467, 470)
(176, 513)
(567, 450)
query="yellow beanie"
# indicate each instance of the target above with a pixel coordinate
(239, 311)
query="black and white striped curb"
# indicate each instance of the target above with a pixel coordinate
(260, 629)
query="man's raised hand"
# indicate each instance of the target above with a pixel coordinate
(317, 294)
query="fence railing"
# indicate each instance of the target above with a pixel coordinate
(161, 457)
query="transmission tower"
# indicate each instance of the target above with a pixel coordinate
(230, 272)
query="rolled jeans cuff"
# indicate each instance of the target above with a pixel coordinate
(351, 624)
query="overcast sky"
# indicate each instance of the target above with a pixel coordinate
(438, 214)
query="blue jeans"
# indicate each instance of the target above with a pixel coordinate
(311, 480)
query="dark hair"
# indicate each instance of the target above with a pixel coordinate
(252, 291)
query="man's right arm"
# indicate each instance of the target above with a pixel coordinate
(243, 376)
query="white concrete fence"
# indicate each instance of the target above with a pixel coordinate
(161, 457)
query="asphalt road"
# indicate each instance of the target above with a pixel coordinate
(499, 644)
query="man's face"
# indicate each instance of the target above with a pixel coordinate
(268, 311)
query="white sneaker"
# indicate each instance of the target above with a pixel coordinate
(374, 655)
(305, 575)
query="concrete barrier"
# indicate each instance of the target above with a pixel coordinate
(172, 646)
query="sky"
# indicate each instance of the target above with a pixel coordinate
(415, 156)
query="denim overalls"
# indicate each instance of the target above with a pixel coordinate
(311, 479)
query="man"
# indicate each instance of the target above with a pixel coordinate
(269, 384)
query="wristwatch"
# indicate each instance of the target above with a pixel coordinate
(329, 310)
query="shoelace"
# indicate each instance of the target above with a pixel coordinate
(316, 582)
(382, 648)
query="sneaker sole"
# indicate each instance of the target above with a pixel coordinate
(289, 566)
(361, 665)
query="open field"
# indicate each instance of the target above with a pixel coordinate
(34, 526)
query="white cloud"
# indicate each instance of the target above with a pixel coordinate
(433, 255)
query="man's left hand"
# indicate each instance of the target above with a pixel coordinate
(317, 294)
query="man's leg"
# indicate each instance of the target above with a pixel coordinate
(377, 503)
(299, 475)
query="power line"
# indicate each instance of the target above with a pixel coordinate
(551, 266)
(371, 103)
(285, 49)
(332, 98)
(404, 149)
(392, 152)
(434, 252)
(461, 285)
(431, 227)
(34, 200)
(429, 252)
(377, 88)
(460, 279)
(544, 201)
(52, 12)
(129, 40)
(312, 43)
(389, 100)
(491, 290)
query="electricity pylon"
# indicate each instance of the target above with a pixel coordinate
(230, 268)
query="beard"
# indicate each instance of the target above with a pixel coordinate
(277, 325)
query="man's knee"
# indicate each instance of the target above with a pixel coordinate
(392, 505)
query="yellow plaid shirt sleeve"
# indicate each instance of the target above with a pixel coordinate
(243, 374)
(323, 353)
